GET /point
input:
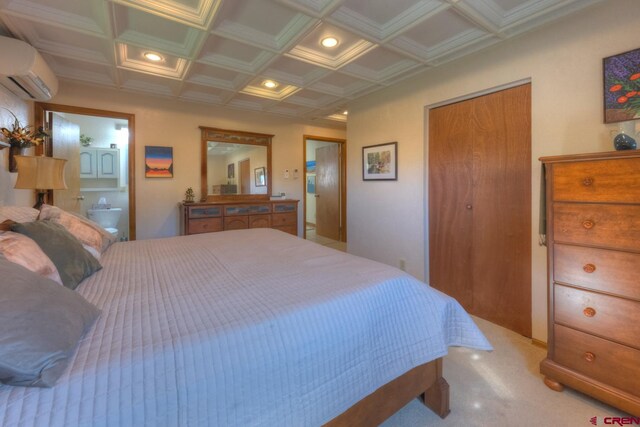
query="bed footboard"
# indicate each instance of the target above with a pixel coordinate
(424, 380)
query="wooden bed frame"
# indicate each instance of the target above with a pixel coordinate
(425, 381)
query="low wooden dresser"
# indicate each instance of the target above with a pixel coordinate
(593, 238)
(209, 217)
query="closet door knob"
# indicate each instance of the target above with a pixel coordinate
(469, 207)
(589, 312)
(587, 181)
(589, 268)
(588, 224)
(589, 357)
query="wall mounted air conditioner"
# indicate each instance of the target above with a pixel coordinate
(24, 72)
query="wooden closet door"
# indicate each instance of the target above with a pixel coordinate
(480, 196)
(450, 197)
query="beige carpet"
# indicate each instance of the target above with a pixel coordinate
(503, 388)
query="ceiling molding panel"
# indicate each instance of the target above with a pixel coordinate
(199, 16)
(220, 52)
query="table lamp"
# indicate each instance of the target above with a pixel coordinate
(40, 173)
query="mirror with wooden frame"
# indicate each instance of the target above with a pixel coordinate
(235, 165)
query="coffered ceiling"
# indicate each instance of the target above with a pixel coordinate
(221, 52)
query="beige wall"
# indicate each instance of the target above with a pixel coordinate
(387, 220)
(169, 122)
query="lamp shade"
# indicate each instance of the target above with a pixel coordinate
(40, 173)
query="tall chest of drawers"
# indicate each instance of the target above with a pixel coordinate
(593, 239)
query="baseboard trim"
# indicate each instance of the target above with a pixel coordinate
(539, 343)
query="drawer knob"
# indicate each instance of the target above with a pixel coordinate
(589, 312)
(587, 181)
(589, 268)
(589, 357)
(588, 224)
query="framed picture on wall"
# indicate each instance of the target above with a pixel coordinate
(158, 162)
(261, 180)
(231, 170)
(380, 162)
(622, 87)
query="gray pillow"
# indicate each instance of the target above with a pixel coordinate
(74, 263)
(41, 323)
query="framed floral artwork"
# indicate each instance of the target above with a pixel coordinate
(380, 162)
(622, 87)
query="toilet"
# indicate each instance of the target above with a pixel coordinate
(106, 218)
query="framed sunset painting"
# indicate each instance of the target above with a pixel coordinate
(158, 162)
(622, 87)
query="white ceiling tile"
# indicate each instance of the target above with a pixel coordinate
(208, 75)
(316, 8)
(234, 55)
(379, 65)
(311, 98)
(381, 19)
(132, 58)
(148, 83)
(349, 47)
(88, 72)
(340, 84)
(278, 93)
(87, 16)
(204, 94)
(195, 13)
(244, 20)
(442, 33)
(149, 31)
(248, 102)
(292, 71)
(62, 42)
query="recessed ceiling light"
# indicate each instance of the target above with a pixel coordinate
(269, 84)
(329, 42)
(152, 56)
(345, 112)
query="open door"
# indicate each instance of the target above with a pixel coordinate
(328, 191)
(65, 137)
(245, 176)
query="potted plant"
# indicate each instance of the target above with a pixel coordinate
(20, 138)
(189, 195)
(85, 140)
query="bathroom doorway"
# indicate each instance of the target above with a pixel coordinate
(325, 191)
(99, 148)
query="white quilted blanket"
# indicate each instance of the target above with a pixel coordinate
(241, 328)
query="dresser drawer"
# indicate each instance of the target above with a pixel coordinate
(291, 229)
(247, 209)
(600, 269)
(610, 317)
(284, 219)
(609, 226)
(236, 222)
(204, 211)
(613, 364)
(259, 221)
(285, 207)
(598, 181)
(204, 225)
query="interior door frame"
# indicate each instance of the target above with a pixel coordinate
(39, 114)
(343, 182)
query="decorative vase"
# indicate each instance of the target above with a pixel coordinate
(14, 151)
(622, 141)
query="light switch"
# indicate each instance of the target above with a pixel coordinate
(286, 174)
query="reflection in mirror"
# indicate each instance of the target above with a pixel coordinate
(235, 164)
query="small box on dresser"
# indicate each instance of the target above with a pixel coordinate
(593, 239)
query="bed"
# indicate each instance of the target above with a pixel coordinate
(248, 328)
